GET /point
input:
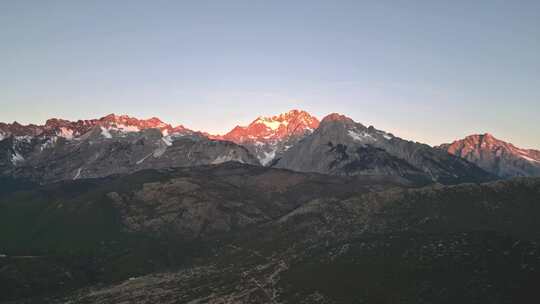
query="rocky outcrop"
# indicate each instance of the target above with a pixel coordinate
(496, 156)
(341, 146)
(102, 152)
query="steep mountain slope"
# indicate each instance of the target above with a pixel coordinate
(113, 144)
(341, 146)
(102, 152)
(496, 156)
(268, 137)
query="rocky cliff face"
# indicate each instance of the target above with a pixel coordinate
(114, 144)
(496, 156)
(102, 152)
(268, 137)
(341, 146)
(295, 140)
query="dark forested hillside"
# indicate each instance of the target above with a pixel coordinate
(251, 234)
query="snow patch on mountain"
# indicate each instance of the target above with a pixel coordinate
(65, 133)
(25, 138)
(167, 140)
(105, 133)
(266, 137)
(144, 158)
(268, 157)
(160, 150)
(49, 143)
(16, 158)
(360, 136)
(77, 174)
(270, 124)
(126, 128)
(226, 158)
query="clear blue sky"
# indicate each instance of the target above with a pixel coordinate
(430, 71)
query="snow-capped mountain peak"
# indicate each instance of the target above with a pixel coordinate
(269, 136)
(294, 122)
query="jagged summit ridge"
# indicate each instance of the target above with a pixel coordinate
(268, 137)
(72, 129)
(279, 126)
(496, 156)
(337, 117)
(341, 146)
(114, 144)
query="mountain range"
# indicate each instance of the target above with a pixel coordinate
(287, 209)
(341, 146)
(71, 129)
(113, 144)
(62, 149)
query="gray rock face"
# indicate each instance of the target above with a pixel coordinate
(496, 156)
(101, 152)
(70, 129)
(269, 149)
(341, 146)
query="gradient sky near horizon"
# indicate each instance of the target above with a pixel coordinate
(430, 71)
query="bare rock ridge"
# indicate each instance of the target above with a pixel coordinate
(124, 210)
(496, 156)
(295, 140)
(268, 137)
(341, 146)
(69, 129)
(64, 150)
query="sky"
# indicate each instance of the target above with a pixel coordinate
(430, 71)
